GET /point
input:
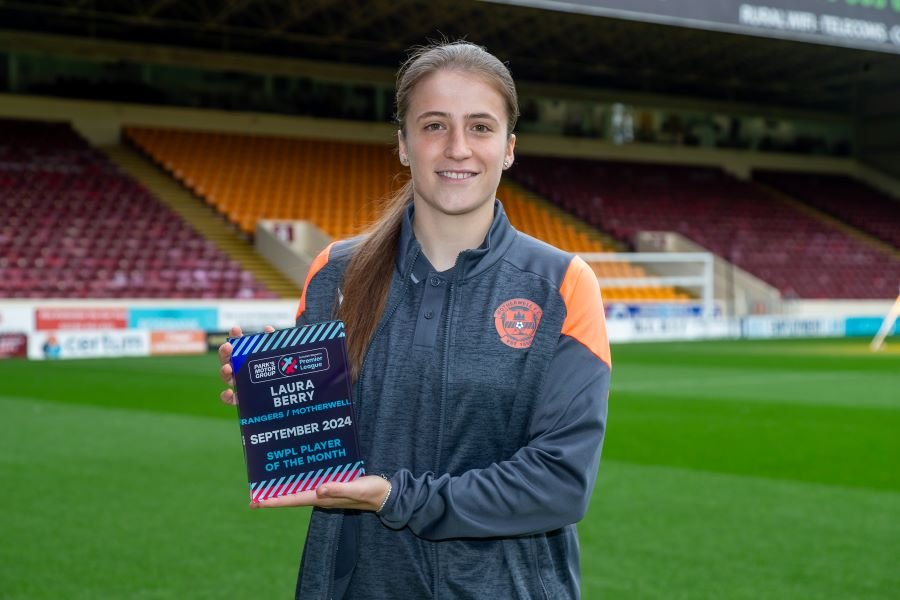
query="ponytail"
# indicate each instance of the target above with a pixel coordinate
(368, 277)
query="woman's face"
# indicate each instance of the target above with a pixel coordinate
(456, 143)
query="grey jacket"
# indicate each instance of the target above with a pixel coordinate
(484, 397)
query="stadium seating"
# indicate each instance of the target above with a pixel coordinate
(75, 227)
(800, 255)
(533, 219)
(335, 185)
(849, 200)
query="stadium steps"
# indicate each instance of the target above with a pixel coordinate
(828, 219)
(203, 218)
(569, 219)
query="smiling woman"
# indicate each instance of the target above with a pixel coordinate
(456, 146)
(450, 98)
(481, 365)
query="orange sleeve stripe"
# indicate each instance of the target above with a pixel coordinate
(585, 317)
(317, 265)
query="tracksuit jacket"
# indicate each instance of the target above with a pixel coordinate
(483, 396)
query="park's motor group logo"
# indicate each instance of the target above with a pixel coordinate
(517, 321)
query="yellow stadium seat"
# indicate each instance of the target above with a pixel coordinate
(335, 185)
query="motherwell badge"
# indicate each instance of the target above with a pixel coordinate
(517, 321)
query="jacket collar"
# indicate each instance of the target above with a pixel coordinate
(470, 263)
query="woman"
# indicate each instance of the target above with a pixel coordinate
(481, 365)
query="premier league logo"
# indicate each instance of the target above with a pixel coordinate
(517, 321)
(288, 365)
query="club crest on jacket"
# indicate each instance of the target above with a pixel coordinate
(517, 321)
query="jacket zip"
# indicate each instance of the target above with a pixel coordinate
(445, 366)
(384, 322)
(445, 359)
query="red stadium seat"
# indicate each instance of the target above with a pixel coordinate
(82, 226)
(849, 200)
(800, 255)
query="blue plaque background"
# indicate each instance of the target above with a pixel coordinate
(295, 408)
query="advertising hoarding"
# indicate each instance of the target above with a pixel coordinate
(177, 318)
(86, 343)
(13, 345)
(765, 327)
(253, 316)
(177, 342)
(867, 24)
(77, 317)
(16, 318)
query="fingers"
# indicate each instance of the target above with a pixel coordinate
(365, 493)
(229, 397)
(224, 352)
(336, 491)
(324, 497)
(301, 499)
(225, 349)
(226, 373)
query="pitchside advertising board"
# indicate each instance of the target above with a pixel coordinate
(658, 330)
(867, 326)
(16, 318)
(78, 317)
(867, 24)
(109, 343)
(658, 310)
(87, 343)
(16, 322)
(254, 316)
(159, 318)
(296, 416)
(204, 318)
(766, 327)
(13, 345)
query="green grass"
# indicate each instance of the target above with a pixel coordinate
(730, 470)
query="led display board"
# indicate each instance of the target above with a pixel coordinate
(867, 24)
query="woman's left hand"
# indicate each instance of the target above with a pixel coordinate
(366, 493)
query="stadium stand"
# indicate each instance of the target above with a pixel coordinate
(847, 199)
(333, 184)
(74, 226)
(527, 214)
(800, 255)
(248, 177)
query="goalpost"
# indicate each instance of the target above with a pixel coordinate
(692, 270)
(886, 326)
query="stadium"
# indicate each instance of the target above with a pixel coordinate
(730, 171)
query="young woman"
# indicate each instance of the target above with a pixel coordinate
(481, 364)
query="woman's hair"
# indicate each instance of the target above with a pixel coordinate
(368, 276)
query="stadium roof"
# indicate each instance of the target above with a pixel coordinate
(541, 46)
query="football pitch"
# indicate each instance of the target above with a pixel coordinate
(730, 470)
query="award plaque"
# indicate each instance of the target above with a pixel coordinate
(295, 411)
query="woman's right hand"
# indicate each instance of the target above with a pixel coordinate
(229, 396)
